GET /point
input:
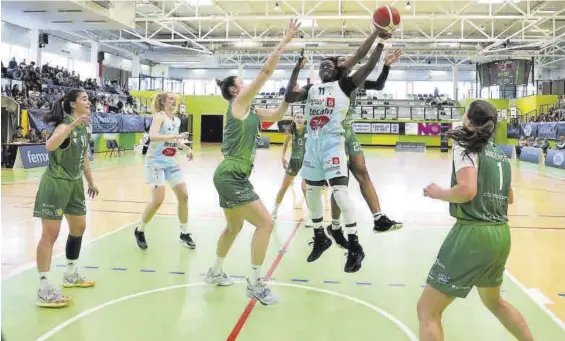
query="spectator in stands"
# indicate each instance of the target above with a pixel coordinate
(32, 136)
(18, 135)
(183, 117)
(545, 146)
(522, 143)
(44, 135)
(561, 144)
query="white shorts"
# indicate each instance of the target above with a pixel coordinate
(157, 176)
(325, 159)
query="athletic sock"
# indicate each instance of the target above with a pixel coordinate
(336, 224)
(255, 274)
(351, 228)
(43, 280)
(377, 216)
(217, 268)
(184, 228)
(141, 226)
(71, 266)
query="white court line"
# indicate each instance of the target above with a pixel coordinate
(411, 336)
(541, 306)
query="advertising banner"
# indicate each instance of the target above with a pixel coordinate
(555, 158)
(531, 154)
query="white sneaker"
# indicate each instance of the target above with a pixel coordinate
(52, 298)
(220, 279)
(260, 292)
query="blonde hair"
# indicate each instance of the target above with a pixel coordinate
(157, 104)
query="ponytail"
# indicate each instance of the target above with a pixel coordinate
(157, 105)
(225, 86)
(473, 138)
(61, 107)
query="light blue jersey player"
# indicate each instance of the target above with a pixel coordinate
(160, 162)
(161, 167)
(325, 161)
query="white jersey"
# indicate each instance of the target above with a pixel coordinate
(325, 110)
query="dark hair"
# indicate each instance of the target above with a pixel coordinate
(225, 86)
(61, 107)
(482, 116)
(291, 128)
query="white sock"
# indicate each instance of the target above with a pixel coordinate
(184, 228)
(217, 268)
(315, 204)
(336, 224)
(141, 226)
(255, 274)
(377, 216)
(71, 266)
(43, 280)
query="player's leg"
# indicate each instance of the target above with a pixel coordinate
(51, 198)
(491, 280)
(287, 181)
(431, 305)
(239, 200)
(335, 230)
(75, 213)
(313, 175)
(359, 169)
(234, 223)
(336, 171)
(156, 178)
(509, 316)
(175, 178)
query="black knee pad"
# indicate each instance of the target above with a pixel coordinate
(320, 183)
(72, 249)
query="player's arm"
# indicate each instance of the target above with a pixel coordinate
(511, 196)
(87, 171)
(154, 134)
(272, 115)
(290, 95)
(359, 77)
(62, 132)
(379, 84)
(361, 51)
(241, 103)
(284, 149)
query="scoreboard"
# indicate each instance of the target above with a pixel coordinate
(505, 72)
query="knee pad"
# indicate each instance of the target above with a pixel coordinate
(341, 195)
(73, 246)
(315, 204)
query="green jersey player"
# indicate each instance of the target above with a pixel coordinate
(61, 192)
(231, 178)
(475, 251)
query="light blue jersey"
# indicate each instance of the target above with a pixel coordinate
(325, 110)
(160, 161)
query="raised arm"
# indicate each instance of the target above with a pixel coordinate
(241, 104)
(379, 84)
(361, 51)
(361, 75)
(290, 95)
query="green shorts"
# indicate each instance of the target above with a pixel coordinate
(56, 197)
(231, 180)
(352, 145)
(472, 254)
(293, 167)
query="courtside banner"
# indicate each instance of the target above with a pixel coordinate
(531, 154)
(33, 156)
(394, 128)
(555, 158)
(424, 128)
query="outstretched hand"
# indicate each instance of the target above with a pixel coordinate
(292, 29)
(301, 61)
(391, 58)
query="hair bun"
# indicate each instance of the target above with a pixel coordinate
(219, 82)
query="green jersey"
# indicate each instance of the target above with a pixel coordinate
(298, 144)
(494, 178)
(67, 161)
(241, 136)
(348, 121)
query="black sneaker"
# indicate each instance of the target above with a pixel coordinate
(140, 239)
(320, 244)
(187, 241)
(338, 236)
(355, 254)
(384, 224)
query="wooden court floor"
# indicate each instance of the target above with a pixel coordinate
(135, 289)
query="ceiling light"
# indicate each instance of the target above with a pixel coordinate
(546, 11)
(408, 5)
(277, 6)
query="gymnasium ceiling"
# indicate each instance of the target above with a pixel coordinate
(208, 33)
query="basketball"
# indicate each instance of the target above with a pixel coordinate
(386, 17)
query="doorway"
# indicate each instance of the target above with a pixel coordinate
(211, 128)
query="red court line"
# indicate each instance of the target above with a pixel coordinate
(247, 311)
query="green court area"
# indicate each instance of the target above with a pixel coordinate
(158, 294)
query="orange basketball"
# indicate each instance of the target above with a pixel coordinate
(386, 17)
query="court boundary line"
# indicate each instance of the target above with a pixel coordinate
(397, 322)
(251, 304)
(549, 313)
